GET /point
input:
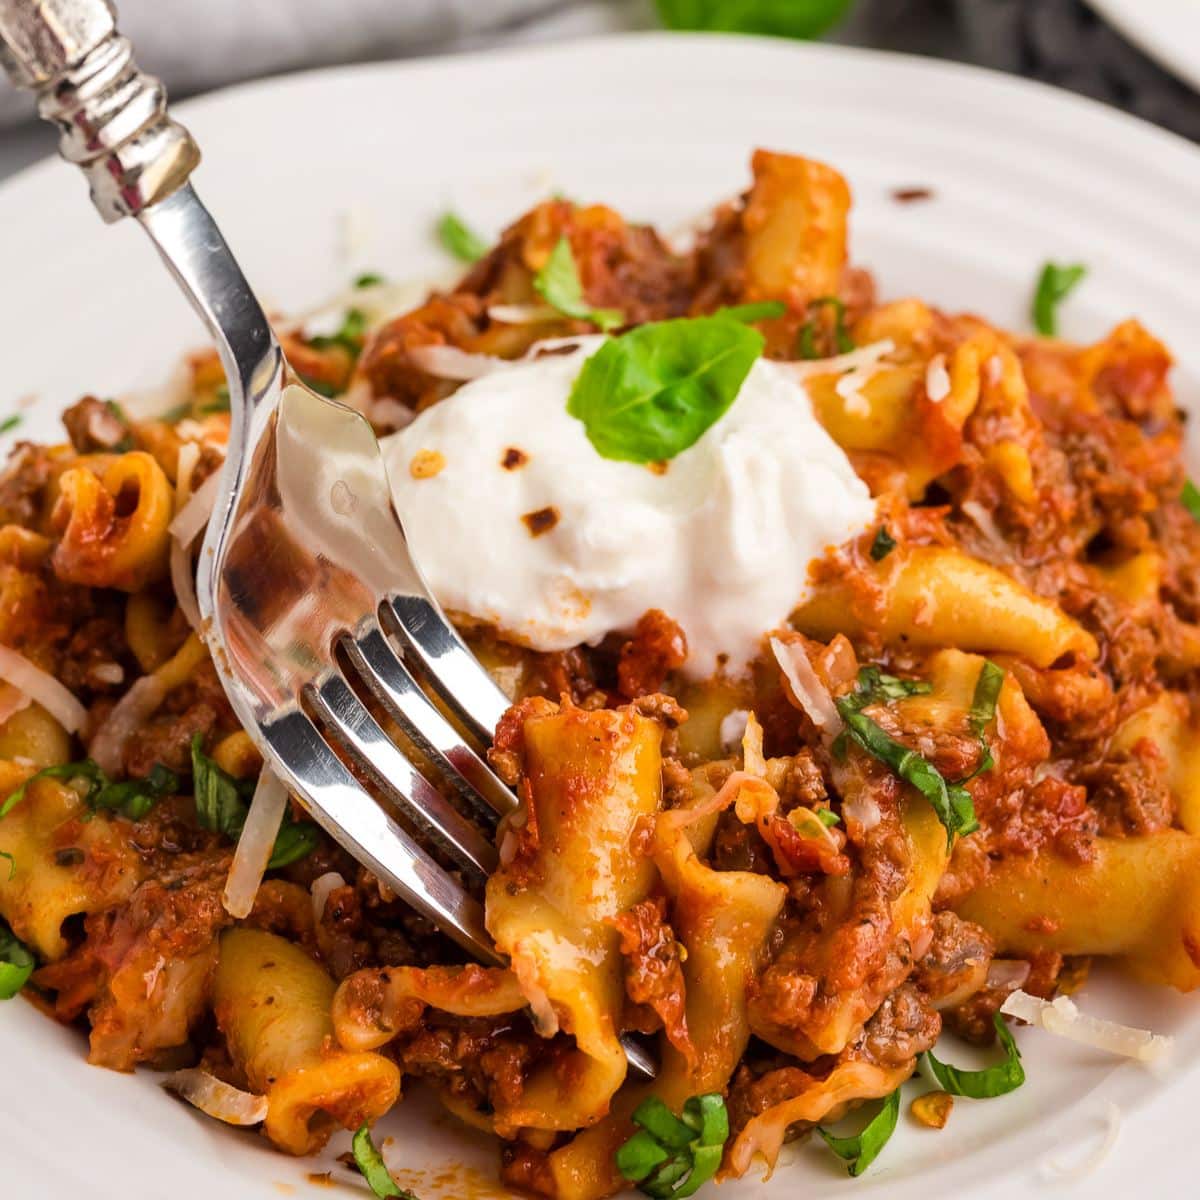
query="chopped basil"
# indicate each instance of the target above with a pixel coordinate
(806, 343)
(10, 423)
(859, 1152)
(374, 1170)
(460, 239)
(369, 279)
(828, 817)
(318, 385)
(781, 18)
(674, 1156)
(12, 863)
(86, 770)
(558, 283)
(983, 710)
(1190, 499)
(220, 402)
(1053, 286)
(766, 310)
(951, 801)
(349, 336)
(981, 1085)
(222, 806)
(174, 415)
(16, 963)
(883, 544)
(649, 394)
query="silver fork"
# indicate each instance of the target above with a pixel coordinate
(305, 581)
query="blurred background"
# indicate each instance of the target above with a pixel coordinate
(1136, 54)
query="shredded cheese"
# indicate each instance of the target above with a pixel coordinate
(810, 693)
(1062, 1018)
(42, 688)
(937, 379)
(255, 844)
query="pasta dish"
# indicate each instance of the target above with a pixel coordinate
(853, 651)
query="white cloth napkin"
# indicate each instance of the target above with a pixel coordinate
(194, 45)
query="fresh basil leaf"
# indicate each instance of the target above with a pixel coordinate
(951, 802)
(983, 710)
(460, 239)
(766, 310)
(12, 863)
(1190, 498)
(981, 1085)
(674, 1156)
(877, 687)
(16, 963)
(10, 423)
(219, 403)
(806, 342)
(369, 279)
(828, 817)
(558, 283)
(318, 385)
(781, 18)
(1054, 285)
(649, 394)
(220, 799)
(85, 770)
(295, 840)
(859, 1152)
(883, 544)
(222, 804)
(374, 1170)
(136, 797)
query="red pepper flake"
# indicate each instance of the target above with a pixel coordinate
(541, 521)
(911, 195)
(514, 458)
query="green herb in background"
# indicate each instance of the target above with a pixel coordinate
(16, 963)
(649, 394)
(12, 863)
(369, 279)
(10, 423)
(860, 1151)
(349, 336)
(781, 18)
(460, 239)
(558, 283)
(991, 1081)
(1190, 499)
(1054, 285)
(764, 310)
(374, 1170)
(674, 1156)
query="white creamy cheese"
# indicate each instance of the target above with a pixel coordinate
(561, 546)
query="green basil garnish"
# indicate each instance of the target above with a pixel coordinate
(765, 310)
(983, 710)
(828, 817)
(1053, 286)
(369, 279)
(349, 336)
(460, 239)
(374, 1170)
(12, 863)
(558, 283)
(951, 801)
(222, 803)
(883, 544)
(1190, 499)
(10, 423)
(133, 798)
(779, 18)
(859, 1152)
(16, 963)
(649, 394)
(674, 1156)
(981, 1085)
(806, 343)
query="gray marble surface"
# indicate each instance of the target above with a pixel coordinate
(1059, 41)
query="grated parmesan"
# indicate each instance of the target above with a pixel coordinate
(1062, 1018)
(937, 379)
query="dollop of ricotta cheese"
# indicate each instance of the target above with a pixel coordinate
(515, 519)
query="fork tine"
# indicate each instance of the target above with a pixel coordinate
(335, 799)
(373, 657)
(348, 717)
(458, 675)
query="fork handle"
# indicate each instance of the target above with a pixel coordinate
(112, 118)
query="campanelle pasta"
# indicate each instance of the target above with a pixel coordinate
(965, 762)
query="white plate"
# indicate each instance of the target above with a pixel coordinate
(1167, 30)
(662, 128)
